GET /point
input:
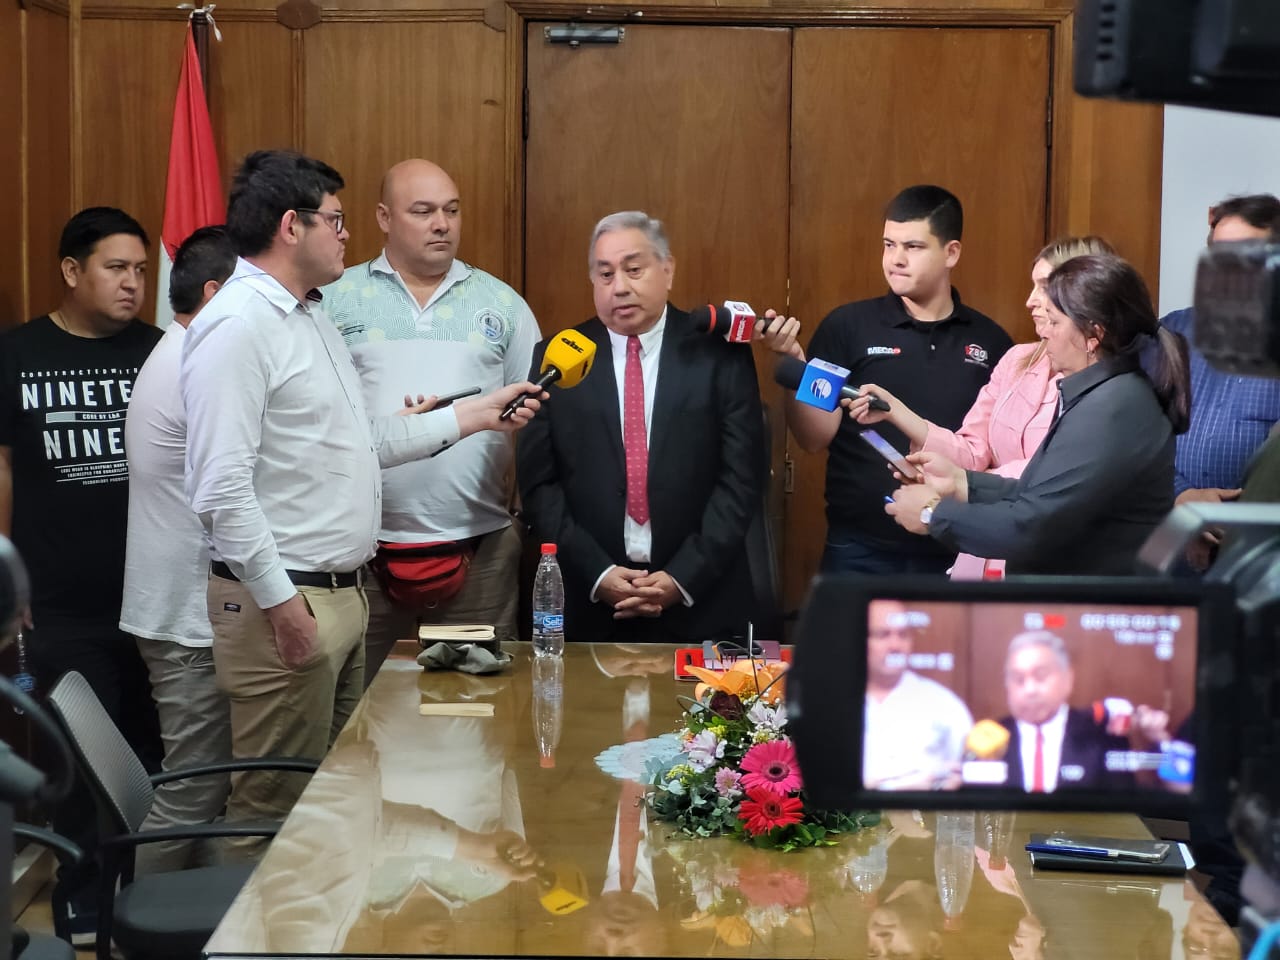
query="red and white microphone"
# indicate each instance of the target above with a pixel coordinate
(734, 320)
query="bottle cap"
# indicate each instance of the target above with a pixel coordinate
(548, 548)
(547, 761)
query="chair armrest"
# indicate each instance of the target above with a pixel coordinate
(68, 853)
(266, 828)
(299, 764)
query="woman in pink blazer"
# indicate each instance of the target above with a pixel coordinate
(1013, 411)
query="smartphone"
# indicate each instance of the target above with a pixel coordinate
(1101, 848)
(448, 398)
(890, 453)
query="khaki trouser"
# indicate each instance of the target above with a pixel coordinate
(278, 711)
(490, 594)
(195, 722)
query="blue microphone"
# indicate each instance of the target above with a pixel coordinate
(819, 383)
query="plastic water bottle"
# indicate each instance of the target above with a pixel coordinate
(548, 605)
(548, 707)
(953, 863)
(867, 871)
(23, 680)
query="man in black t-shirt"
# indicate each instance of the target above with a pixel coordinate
(65, 383)
(919, 342)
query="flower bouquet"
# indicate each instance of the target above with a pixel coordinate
(743, 899)
(736, 772)
(745, 896)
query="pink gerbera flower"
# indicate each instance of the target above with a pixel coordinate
(763, 810)
(771, 766)
(727, 782)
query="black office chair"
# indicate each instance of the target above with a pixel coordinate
(158, 916)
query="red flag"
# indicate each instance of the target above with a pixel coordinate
(193, 190)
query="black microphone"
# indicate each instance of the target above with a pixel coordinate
(819, 384)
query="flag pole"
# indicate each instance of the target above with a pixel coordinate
(200, 33)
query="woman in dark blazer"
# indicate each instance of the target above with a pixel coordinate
(1103, 477)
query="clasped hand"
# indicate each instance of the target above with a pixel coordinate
(637, 593)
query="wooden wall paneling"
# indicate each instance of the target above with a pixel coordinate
(876, 110)
(12, 236)
(879, 10)
(129, 71)
(377, 93)
(1121, 145)
(632, 126)
(514, 39)
(49, 185)
(251, 91)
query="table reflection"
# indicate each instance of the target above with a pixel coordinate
(504, 835)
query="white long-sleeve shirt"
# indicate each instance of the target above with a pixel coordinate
(283, 462)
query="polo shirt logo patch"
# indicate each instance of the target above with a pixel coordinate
(976, 353)
(883, 351)
(491, 325)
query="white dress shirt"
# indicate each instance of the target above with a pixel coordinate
(283, 462)
(166, 566)
(1055, 731)
(637, 538)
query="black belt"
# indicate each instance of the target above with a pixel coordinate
(299, 578)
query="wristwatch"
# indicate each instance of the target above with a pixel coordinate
(926, 515)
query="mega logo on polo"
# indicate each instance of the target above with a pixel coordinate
(883, 351)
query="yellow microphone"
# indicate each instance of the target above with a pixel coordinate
(568, 358)
(984, 751)
(987, 740)
(562, 888)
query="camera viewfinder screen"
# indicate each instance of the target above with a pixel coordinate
(1043, 698)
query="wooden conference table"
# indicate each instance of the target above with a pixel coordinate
(397, 849)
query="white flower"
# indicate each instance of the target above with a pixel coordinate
(769, 718)
(703, 750)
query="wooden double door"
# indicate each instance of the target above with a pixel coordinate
(770, 153)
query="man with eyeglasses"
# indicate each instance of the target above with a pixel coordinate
(417, 311)
(283, 470)
(647, 474)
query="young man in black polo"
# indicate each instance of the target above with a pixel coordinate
(920, 343)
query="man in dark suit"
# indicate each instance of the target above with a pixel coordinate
(1052, 746)
(647, 473)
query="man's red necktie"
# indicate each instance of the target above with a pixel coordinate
(1037, 774)
(634, 441)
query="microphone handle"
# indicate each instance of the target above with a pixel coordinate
(549, 376)
(876, 402)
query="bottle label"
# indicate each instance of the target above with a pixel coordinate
(549, 621)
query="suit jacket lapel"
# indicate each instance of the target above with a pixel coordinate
(672, 382)
(603, 380)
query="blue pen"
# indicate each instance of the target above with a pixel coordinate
(888, 499)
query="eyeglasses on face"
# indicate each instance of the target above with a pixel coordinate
(336, 218)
